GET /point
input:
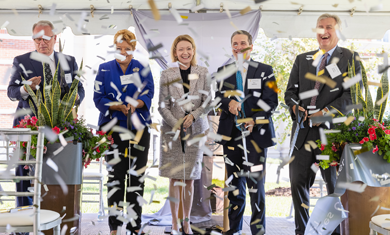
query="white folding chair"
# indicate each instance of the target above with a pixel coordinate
(380, 224)
(32, 219)
(90, 177)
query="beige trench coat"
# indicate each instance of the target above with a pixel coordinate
(173, 161)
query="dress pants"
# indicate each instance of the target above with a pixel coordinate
(302, 177)
(236, 211)
(119, 172)
(22, 186)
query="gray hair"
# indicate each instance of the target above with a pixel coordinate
(43, 23)
(327, 15)
(244, 33)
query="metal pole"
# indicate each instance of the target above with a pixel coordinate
(38, 176)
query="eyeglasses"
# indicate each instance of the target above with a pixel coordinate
(39, 40)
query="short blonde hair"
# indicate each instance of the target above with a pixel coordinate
(127, 36)
(180, 38)
(327, 15)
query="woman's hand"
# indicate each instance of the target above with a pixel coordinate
(132, 108)
(122, 108)
(187, 121)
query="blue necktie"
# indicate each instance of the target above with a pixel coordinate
(241, 88)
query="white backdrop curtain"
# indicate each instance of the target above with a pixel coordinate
(211, 32)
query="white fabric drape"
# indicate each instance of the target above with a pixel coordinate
(211, 32)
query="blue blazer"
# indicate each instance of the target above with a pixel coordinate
(36, 69)
(111, 72)
(226, 121)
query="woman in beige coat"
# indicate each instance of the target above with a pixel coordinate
(183, 90)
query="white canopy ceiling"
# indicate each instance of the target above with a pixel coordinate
(280, 18)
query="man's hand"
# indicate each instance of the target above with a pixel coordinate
(300, 109)
(187, 121)
(249, 125)
(234, 107)
(35, 82)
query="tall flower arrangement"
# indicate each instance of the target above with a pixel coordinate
(95, 143)
(368, 126)
(56, 111)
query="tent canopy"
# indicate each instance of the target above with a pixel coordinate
(280, 18)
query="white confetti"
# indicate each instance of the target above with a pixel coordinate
(308, 94)
(263, 105)
(322, 157)
(352, 81)
(52, 164)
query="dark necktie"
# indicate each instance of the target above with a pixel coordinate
(48, 74)
(317, 85)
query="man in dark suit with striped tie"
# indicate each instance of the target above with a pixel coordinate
(32, 70)
(332, 62)
(255, 104)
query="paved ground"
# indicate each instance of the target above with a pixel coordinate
(275, 226)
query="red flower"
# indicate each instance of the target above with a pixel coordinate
(100, 132)
(56, 130)
(334, 163)
(34, 120)
(98, 150)
(362, 141)
(371, 131)
(322, 147)
(334, 148)
(365, 139)
(375, 149)
(373, 137)
(387, 131)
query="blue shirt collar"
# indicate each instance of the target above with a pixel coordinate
(330, 52)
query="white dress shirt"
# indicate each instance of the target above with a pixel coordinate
(243, 73)
(52, 65)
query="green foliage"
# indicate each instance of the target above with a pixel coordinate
(355, 132)
(368, 97)
(281, 54)
(385, 91)
(49, 108)
(94, 145)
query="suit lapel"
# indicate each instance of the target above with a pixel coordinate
(337, 53)
(194, 69)
(38, 69)
(250, 74)
(59, 67)
(312, 70)
(176, 74)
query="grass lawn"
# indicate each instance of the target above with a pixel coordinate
(275, 206)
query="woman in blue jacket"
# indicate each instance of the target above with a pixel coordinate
(122, 90)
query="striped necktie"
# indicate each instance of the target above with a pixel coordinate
(320, 72)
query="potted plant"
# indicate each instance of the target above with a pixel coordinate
(368, 126)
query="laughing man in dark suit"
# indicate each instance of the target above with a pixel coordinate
(251, 81)
(302, 176)
(32, 70)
